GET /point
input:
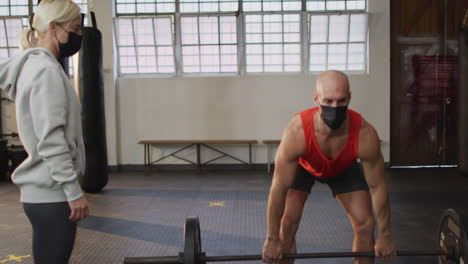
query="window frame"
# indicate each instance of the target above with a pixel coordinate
(304, 35)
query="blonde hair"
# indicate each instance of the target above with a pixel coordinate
(60, 11)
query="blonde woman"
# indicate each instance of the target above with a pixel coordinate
(49, 126)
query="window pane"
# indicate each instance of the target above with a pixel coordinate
(10, 29)
(209, 30)
(189, 30)
(292, 5)
(126, 8)
(144, 6)
(318, 29)
(338, 28)
(318, 57)
(4, 11)
(252, 6)
(337, 56)
(356, 57)
(146, 60)
(358, 28)
(3, 39)
(189, 6)
(228, 30)
(127, 60)
(209, 58)
(143, 29)
(165, 7)
(124, 32)
(14, 8)
(165, 60)
(356, 4)
(191, 59)
(13, 27)
(194, 6)
(315, 5)
(336, 5)
(166, 52)
(163, 30)
(3, 54)
(229, 5)
(83, 4)
(320, 5)
(229, 58)
(271, 5)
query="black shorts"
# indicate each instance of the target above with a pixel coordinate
(350, 180)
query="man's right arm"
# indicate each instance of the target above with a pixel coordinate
(291, 148)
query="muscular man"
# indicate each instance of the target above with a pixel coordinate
(323, 144)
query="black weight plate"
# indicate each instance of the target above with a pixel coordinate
(192, 242)
(452, 238)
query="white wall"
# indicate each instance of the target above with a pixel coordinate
(250, 107)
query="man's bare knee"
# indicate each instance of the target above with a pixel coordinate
(364, 230)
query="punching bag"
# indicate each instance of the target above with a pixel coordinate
(92, 103)
(463, 98)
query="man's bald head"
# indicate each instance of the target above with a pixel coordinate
(332, 79)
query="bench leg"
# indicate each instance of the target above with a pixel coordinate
(198, 158)
(268, 159)
(250, 155)
(147, 159)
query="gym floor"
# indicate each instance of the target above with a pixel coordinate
(138, 215)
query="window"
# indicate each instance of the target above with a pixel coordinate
(267, 36)
(273, 43)
(83, 4)
(14, 8)
(209, 44)
(13, 18)
(13, 15)
(338, 42)
(145, 45)
(9, 31)
(271, 5)
(335, 5)
(134, 7)
(196, 6)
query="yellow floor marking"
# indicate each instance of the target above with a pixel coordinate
(216, 204)
(14, 258)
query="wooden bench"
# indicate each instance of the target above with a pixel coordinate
(269, 143)
(198, 144)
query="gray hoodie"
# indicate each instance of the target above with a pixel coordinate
(49, 126)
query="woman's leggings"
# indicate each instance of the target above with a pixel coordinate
(53, 233)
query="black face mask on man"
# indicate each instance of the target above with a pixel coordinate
(333, 116)
(72, 45)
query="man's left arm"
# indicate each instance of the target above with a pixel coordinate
(374, 171)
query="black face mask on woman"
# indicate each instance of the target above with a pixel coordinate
(333, 116)
(72, 45)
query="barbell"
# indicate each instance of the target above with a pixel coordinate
(450, 234)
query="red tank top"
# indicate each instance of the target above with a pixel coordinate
(318, 164)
